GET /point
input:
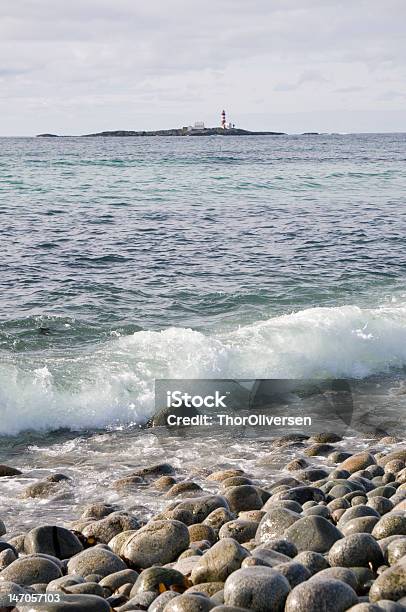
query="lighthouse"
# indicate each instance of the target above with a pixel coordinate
(223, 119)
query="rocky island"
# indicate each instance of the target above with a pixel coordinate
(216, 131)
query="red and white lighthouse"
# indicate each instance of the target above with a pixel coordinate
(223, 119)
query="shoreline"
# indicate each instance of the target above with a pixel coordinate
(252, 520)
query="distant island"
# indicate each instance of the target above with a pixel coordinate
(185, 131)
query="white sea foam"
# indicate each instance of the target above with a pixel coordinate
(113, 385)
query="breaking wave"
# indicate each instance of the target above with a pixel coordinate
(112, 384)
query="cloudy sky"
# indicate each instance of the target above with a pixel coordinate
(80, 66)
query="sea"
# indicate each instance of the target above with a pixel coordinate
(126, 260)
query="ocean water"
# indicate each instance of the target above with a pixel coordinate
(123, 260)
(126, 260)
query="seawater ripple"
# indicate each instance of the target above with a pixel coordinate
(103, 239)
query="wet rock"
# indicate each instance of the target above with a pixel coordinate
(206, 588)
(182, 488)
(97, 511)
(384, 543)
(7, 556)
(155, 471)
(385, 605)
(391, 584)
(318, 510)
(61, 583)
(282, 503)
(364, 576)
(312, 474)
(381, 504)
(51, 540)
(190, 552)
(357, 500)
(359, 461)
(313, 533)
(177, 514)
(6, 470)
(390, 524)
(95, 560)
(357, 512)
(339, 474)
(86, 588)
(274, 524)
(267, 556)
(31, 570)
(159, 542)
(294, 572)
(201, 507)
(158, 605)
(338, 504)
(164, 483)
(325, 437)
(223, 474)
(363, 524)
(314, 562)
(282, 546)
(375, 470)
(112, 582)
(223, 608)
(321, 596)
(219, 562)
(186, 564)
(345, 574)
(297, 464)
(153, 578)
(358, 549)
(394, 466)
(394, 455)
(349, 485)
(189, 603)
(128, 483)
(105, 529)
(240, 530)
(365, 607)
(57, 477)
(41, 489)
(288, 481)
(303, 494)
(252, 515)
(235, 481)
(142, 601)
(244, 497)
(7, 545)
(288, 438)
(260, 589)
(317, 449)
(339, 491)
(200, 531)
(338, 456)
(396, 550)
(117, 543)
(218, 518)
(384, 491)
(7, 589)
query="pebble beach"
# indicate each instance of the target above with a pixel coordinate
(312, 524)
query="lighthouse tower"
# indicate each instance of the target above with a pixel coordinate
(223, 119)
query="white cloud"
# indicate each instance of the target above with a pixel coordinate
(87, 65)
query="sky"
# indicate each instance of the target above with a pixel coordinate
(81, 66)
